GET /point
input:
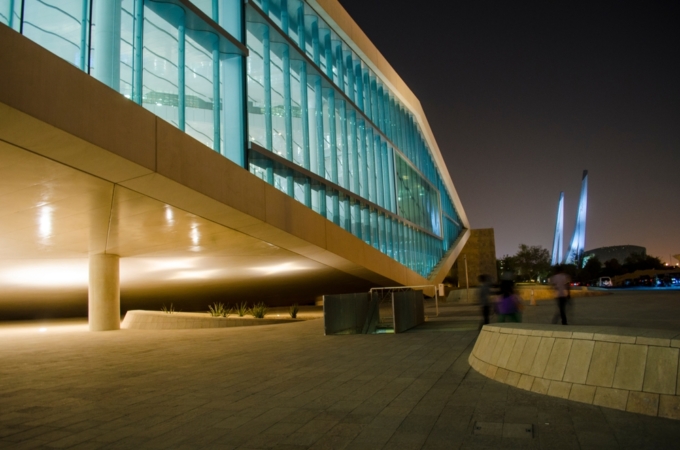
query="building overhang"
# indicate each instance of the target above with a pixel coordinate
(115, 178)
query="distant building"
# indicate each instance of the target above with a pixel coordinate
(480, 254)
(617, 252)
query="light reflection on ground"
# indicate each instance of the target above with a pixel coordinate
(45, 327)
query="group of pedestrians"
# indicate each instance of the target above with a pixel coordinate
(508, 305)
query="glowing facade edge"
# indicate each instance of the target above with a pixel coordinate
(578, 240)
(558, 241)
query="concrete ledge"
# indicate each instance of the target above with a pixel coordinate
(629, 369)
(158, 320)
(527, 293)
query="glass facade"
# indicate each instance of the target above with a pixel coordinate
(271, 86)
(165, 55)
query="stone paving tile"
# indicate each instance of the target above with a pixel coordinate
(285, 388)
(406, 440)
(387, 423)
(597, 440)
(25, 445)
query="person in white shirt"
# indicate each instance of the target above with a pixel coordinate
(560, 282)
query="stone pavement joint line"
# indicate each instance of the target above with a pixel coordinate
(285, 387)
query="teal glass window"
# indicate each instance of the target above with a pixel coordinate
(417, 199)
(61, 27)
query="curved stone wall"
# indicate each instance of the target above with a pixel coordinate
(157, 320)
(629, 369)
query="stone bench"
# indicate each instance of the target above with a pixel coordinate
(629, 369)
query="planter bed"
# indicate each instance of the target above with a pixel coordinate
(158, 320)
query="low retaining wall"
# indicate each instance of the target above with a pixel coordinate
(622, 368)
(158, 320)
(526, 293)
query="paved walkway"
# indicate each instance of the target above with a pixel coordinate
(285, 387)
(628, 308)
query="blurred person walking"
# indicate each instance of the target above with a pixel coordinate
(485, 296)
(560, 282)
(509, 306)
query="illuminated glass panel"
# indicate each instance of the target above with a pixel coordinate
(417, 199)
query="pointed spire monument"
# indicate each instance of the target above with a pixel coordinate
(558, 241)
(578, 240)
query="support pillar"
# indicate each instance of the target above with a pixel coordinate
(104, 292)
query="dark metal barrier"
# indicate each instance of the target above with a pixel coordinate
(347, 313)
(409, 310)
(362, 314)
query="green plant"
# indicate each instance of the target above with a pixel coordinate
(242, 309)
(169, 310)
(259, 310)
(293, 310)
(218, 309)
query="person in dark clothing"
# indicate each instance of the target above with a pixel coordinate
(485, 296)
(509, 306)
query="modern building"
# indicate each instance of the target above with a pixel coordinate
(190, 151)
(478, 257)
(617, 252)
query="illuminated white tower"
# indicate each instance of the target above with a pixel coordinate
(558, 241)
(578, 240)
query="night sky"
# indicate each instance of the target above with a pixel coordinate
(522, 96)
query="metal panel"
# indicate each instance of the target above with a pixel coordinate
(409, 310)
(345, 313)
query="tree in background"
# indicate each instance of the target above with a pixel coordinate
(531, 263)
(613, 268)
(572, 270)
(640, 261)
(591, 271)
(506, 264)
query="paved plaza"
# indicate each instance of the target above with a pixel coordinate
(290, 387)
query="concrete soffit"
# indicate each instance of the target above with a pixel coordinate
(52, 109)
(242, 203)
(343, 24)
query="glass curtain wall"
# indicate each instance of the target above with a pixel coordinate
(322, 126)
(163, 55)
(356, 80)
(324, 130)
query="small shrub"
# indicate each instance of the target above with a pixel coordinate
(218, 309)
(293, 310)
(242, 309)
(168, 310)
(259, 310)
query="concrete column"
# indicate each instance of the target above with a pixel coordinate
(104, 292)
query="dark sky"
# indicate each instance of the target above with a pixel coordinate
(522, 96)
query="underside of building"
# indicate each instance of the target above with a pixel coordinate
(188, 152)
